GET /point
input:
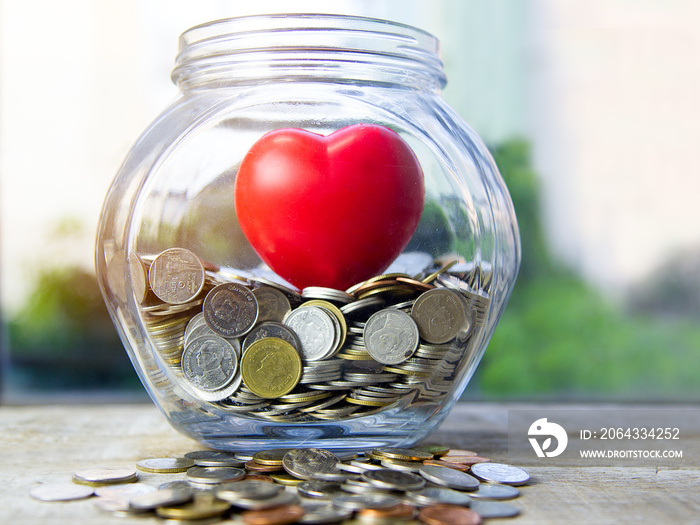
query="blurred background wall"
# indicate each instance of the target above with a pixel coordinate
(590, 107)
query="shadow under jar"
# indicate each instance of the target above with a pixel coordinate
(308, 247)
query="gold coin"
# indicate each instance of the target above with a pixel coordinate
(271, 368)
(201, 508)
(405, 454)
(270, 457)
(283, 478)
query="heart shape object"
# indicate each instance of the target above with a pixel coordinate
(329, 210)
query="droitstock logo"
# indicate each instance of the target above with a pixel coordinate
(547, 431)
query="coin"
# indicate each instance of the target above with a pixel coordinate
(399, 513)
(277, 516)
(273, 305)
(319, 489)
(271, 368)
(448, 515)
(437, 495)
(366, 501)
(325, 515)
(494, 509)
(209, 363)
(307, 463)
(448, 477)
(230, 310)
(500, 473)
(282, 498)
(164, 465)
(123, 491)
(104, 476)
(271, 457)
(391, 336)
(316, 330)
(405, 454)
(247, 489)
(214, 474)
(61, 492)
(393, 479)
(176, 276)
(495, 491)
(214, 458)
(272, 329)
(202, 507)
(160, 498)
(440, 315)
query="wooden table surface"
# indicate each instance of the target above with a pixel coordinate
(46, 444)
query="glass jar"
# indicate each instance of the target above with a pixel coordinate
(309, 190)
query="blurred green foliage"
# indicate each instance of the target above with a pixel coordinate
(560, 337)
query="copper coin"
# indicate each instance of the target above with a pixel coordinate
(458, 452)
(400, 511)
(448, 515)
(441, 463)
(276, 516)
(259, 477)
(467, 460)
(258, 467)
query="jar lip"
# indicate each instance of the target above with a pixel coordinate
(316, 43)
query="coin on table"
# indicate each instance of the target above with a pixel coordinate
(230, 310)
(405, 454)
(316, 329)
(271, 457)
(176, 276)
(439, 495)
(500, 473)
(105, 476)
(494, 509)
(214, 458)
(448, 515)
(391, 336)
(366, 501)
(160, 498)
(276, 516)
(273, 305)
(306, 463)
(271, 368)
(164, 465)
(247, 489)
(283, 498)
(400, 514)
(495, 491)
(61, 492)
(319, 489)
(212, 475)
(393, 479)
(272, 329)
(123, 491)
(440, 315)
(448, 477)
(202, 507)
(209, 363)
(324, 515)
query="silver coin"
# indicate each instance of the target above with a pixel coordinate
(319, 489)
(437, 495)
(105, 475)
(176, 276)
(230, 310)
(495, 491)
(328, 294)
(212, 475)
(61, 492)
(494, 509)
(316, 330)
(440, 315)
(306, 463)
(391, 336)
(366, 501)
(160, 498)
(273, 305)
(282, 498)
(272, 329)
(325, 515)
(393, 479)
(247, 490)
(500, 473)
(449, 477)
(404, 466)
(209, 363)
(214, 458)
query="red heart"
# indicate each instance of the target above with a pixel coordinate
(329, 210)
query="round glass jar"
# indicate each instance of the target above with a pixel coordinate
(309, 190)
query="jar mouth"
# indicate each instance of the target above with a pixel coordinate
(320, 47)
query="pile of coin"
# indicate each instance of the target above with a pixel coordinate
(257, 347)
(283, 486)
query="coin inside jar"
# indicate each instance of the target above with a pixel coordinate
(391, 336)
(271, 367)
(230, 310)
(176, 276)
(440, 315)
(209, 363)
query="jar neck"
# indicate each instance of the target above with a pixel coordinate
(308, 48)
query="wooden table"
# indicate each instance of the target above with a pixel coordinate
(44, 444)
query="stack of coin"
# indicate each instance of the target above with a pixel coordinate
(303, 485)
(393, 340)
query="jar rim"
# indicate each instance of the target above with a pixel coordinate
(306, 37)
